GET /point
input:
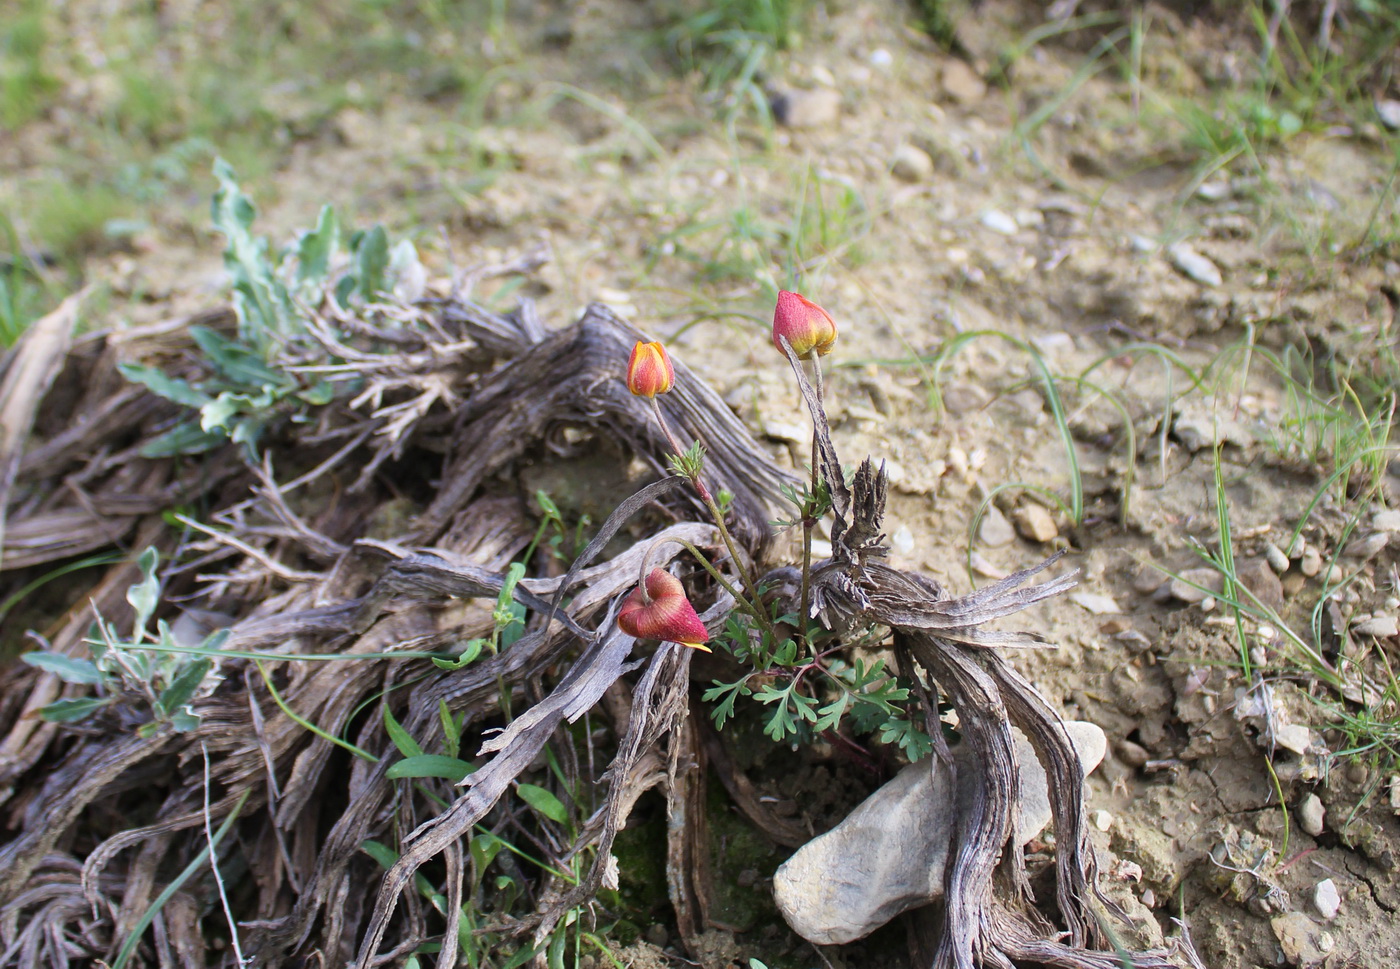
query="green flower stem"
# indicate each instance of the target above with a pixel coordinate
(754, 598)
(806, 598)
(752, 608)
(808, 522)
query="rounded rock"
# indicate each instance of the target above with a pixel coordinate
(1326, 899)
(1311, 815)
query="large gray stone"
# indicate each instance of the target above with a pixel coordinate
(890, 853)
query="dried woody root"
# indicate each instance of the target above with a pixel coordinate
(98, 819)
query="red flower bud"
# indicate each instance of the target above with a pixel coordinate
(649, 371)
(806, 326)
(662, 612)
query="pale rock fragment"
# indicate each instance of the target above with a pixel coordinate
(911, 164)
(1035, 522)
(995, 531)
(1380, 626)
(1193, 265)
(1099, 605)
(961, 83)
(1000, 222)
(1311, 815)
(806, 109)
(890, 853)
(1326, 899)
(1298, 937)
(1386, 521)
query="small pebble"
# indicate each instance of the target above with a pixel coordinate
(1149, 898)
(1196, 585)
(1311, 815)
(1293, 584)
(1214, 190)
(1148, 580)
(1380, 626)
(957, 461)
(1276, 559)
(1000, 222)
(1386, 521)
(985, 568)
(1327, 899)
(1334, 575)
(1294, 737)
(806, 109)
(1099, 605)
(880, 58)
(1388, 111)
(1134, 640)
(1193, 265)
(1134, 755)
(1311, 563)
(961, 83)
(902, 541)
(1102, 820)
(995, 531)
(1367, 547)
(1035, 523)
(912, 164)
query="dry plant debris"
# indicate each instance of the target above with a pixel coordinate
(100, 815)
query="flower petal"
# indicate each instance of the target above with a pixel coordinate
(805, 325)
(649, 370)
(669, 615)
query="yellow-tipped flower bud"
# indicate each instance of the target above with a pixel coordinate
(804, 324)
(649, 371)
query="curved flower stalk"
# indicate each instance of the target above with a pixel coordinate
(649, 372)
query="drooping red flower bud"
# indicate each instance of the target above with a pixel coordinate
(668, 615)
(806, 326)
(649, 371)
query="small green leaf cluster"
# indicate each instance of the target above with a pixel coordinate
(810, 694)
(563, 544)
(691, 463)
(812, 502)
(479, 933)
(508, 623)
(165, 680)
(249, 386)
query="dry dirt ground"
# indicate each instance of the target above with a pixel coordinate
(919, 203)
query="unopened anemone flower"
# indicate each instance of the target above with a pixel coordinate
(649, 370)
(658, 609)
(805, 325)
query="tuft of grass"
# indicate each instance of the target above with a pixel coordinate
(25, 86)
(820, 221)
(69, 220)
(1049, 384)
(25, 293)
(733, 44)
